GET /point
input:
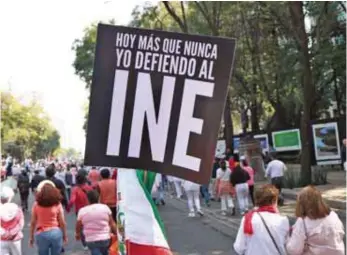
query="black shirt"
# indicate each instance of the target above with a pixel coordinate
(60, 185)
(239, 176)
(23, 183)
(36, 181)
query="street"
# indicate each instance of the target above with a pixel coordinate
(187, 236)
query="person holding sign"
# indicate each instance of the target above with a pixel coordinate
(224, 189)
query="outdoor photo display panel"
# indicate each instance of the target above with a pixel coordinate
(326, 142)
(287, 140)
(156, 100)
(264, 141)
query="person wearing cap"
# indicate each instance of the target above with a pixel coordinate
(11, 223)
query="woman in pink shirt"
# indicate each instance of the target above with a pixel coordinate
(318, 230)
(97, 223)
(12, 223)
(250, 171)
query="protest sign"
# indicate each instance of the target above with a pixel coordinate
(157, 100)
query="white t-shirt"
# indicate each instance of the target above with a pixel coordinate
(190, 186)
(60, 176)
(95, 220)
(275, 168)
(223, 175)
(260, 242)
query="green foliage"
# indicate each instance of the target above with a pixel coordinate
(85, 50)
(267, 77)
(69, 153)
(25, 129)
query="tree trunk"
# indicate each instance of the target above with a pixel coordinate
(298, 24)
(228, 125)
(280, 117)
(254, 117)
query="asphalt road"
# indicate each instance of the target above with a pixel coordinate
(187, 236)
(190, 236)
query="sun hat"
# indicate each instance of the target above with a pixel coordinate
(43, 183)
(6, 193)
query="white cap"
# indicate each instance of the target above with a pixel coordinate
(6, 193)
(243, 157)
(43, 183)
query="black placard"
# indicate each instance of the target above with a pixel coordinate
(156, 100)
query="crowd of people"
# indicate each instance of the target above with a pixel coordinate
(91, 194)
(232, 179)
(263, 230)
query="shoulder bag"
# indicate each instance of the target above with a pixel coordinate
(271, 236)
(306, 235)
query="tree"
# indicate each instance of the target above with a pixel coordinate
(69, 153)
(84, 55)
(289, 65)
(26, 129)
(310, 45)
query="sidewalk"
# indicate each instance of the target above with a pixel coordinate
(334, 192)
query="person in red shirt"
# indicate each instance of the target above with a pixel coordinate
(107, 189)
(233, 161)
(79, 198)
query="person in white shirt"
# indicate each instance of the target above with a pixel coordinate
(158, 190)
(60, 174)
(275, 170)
(263, 231)
(224, 189)
(193, 195)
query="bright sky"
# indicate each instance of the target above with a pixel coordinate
(36, 55)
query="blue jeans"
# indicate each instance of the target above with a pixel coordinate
(99, 247)
(205, 193)
(50, 242)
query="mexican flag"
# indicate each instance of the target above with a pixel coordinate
(141, 228)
